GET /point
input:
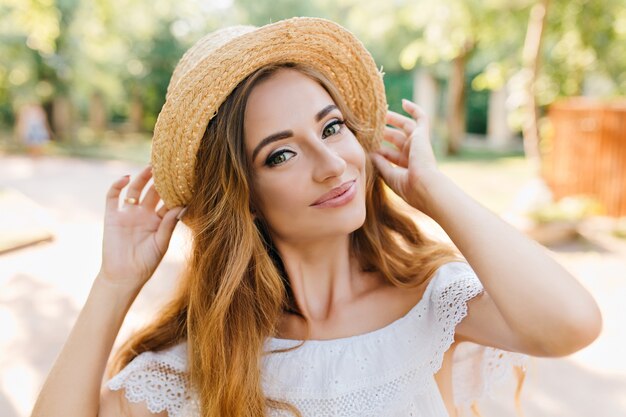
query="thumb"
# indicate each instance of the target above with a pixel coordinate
(166, 228)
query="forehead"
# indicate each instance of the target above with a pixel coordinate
(281, 102)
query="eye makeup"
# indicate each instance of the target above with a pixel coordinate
(278, 157)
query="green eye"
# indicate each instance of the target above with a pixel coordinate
(278, 158)
(332, 129)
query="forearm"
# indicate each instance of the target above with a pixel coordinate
(536, 296)
(73, 385)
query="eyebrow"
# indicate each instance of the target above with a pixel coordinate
(289, 133)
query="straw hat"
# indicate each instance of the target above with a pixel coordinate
(211, 69)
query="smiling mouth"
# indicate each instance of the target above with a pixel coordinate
(335, 193)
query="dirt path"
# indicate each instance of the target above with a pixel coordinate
(43, 287)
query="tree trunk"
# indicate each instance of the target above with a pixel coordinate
(455, 114)
(530, 62)
(62, 118)
(97, 113)
(135, 116)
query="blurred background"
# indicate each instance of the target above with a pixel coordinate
(527, 101)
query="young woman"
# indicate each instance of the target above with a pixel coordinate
(307, 291)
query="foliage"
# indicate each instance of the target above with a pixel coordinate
(398, 85)
(113, 47)
(125, 50)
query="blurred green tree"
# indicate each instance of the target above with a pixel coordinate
(62, 52)
(66, 52)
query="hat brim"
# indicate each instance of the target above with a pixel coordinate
(196, 92)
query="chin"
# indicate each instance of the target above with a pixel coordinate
(342, 222)
(351, 220)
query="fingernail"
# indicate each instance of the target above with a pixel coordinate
(181, 214)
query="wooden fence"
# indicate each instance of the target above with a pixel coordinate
(585, 151)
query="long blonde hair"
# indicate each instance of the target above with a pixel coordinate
(234, 289)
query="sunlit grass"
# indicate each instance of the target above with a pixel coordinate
(491, 178)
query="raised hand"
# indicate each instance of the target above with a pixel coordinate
(412, 156)
(136, 235)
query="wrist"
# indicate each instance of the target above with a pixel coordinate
(119, 287)
(429, 187)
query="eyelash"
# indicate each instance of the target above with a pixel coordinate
(337, 122)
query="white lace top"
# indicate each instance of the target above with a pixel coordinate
(386, 372)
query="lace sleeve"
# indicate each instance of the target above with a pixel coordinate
(158, 378)
(476, 369)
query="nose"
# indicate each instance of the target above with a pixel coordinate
(327, 163)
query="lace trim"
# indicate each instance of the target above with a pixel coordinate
(450, 309)
(352, 376)
(160, 379)
(392, 398)
(334, 368)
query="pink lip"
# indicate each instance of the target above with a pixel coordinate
(337, 196)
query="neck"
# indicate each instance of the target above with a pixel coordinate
(322, 274)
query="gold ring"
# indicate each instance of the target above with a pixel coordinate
(130, 200)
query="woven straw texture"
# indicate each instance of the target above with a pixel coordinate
(211, 69)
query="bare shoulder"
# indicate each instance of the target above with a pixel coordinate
(115, 404)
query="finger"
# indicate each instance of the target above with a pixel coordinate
(112, 197)
(138, 184)
(388, 171)
(151, 198)
(418, 113)
(400, 121)
(394, 136)
(392, 155)
(162, 211)
(181, 213)
(166, 228)
(413, 109)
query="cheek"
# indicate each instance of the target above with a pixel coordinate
(354, 154)
(280, 194)
(282, 203)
